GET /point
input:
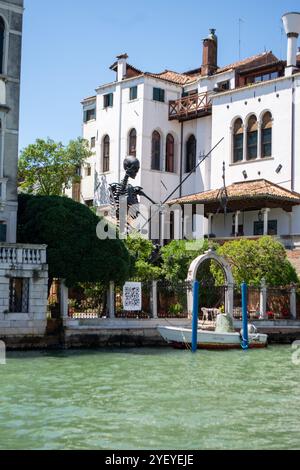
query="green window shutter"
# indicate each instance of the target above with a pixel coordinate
(158, 94)
(133, 93)
(85, 116)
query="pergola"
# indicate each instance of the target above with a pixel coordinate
(260, 195)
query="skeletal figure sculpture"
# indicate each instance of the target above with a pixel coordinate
(127, 192)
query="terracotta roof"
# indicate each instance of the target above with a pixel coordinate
(114, 68)
(259, 59)
(256, 189)
(174, 77)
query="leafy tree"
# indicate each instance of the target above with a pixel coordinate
(251, 261)
(48, 168)
(141, 250)
(74, 251)
(177, 257)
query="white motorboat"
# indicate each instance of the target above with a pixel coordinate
(182, 338)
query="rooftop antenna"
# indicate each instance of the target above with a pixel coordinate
(281, 42)
(240, 37)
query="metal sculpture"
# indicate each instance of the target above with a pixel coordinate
(130, 193)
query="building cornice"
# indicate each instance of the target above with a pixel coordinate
(255, 86)
(11, 7)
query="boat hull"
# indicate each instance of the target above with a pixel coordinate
(181, 338)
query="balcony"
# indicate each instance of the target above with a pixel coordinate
(191, 107)
(19, 255)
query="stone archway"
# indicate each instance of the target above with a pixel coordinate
(192, 274)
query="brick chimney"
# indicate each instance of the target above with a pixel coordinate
(210, 54)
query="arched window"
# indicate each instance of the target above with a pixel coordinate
(266, 135)
(191, 147)
(170, 154)
(155, 160)
(2, 39)
(252, 134)
(106, 153)
(132, 143)
(238, 141)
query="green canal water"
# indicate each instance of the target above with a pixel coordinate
(150, 399)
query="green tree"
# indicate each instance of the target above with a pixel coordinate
(48, 168)
(69, 230)
(177, 257)
(253, 260)
(141, 250)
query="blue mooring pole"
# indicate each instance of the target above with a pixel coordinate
(245, 340)
(195, 316)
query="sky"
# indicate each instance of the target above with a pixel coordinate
(69, 45)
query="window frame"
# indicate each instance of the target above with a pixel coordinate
(88, 170)
(266, 130)
(23, 301)
(132, 143)
(252, 134)
(90, 114)
(108, 100)
(156, 151)
(106, 154)
(159, 95)
(191, 161)
(258, 228)
(170, 157)
(133, 93)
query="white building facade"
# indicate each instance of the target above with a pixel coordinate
(23, 268)
(169, 121)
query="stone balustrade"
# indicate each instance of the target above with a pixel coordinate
(19, 254)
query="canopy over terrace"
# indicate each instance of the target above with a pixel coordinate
(257, 195)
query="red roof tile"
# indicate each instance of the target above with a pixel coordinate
(259, 59)
(174, 77)
(244, 190)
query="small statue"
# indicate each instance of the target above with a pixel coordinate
(123, 189)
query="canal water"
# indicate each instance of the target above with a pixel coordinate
(150, 399)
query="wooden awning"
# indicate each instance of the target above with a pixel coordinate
(243, 196)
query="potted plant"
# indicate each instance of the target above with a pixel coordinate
(176, 310)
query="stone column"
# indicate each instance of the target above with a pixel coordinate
(111, 300)
(259, 139)
(236, 222)
(210, 221)
(154, 299)
(263, 300)
(245, 143)
(293, 303)
(229, 300)
(64, 299)
(266, 220)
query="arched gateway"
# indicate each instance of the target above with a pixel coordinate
(192, 274)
